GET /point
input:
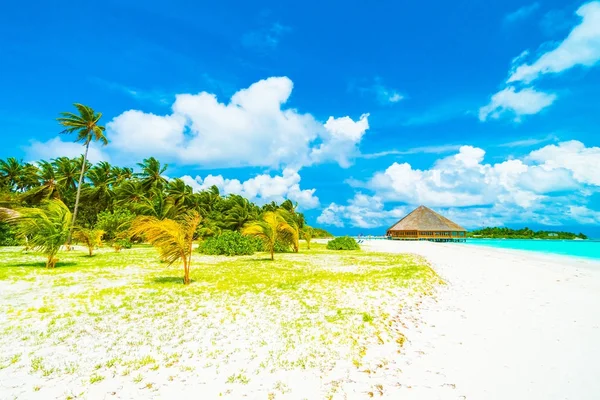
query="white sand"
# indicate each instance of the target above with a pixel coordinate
(509, 325)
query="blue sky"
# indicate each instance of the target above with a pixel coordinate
(359, 111)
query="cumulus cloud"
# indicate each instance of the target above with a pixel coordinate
(362, 211)
(580, 48)
(253, 129)
(541, 186)
(340, 140)
(261, 189)
(527, 101)
(55, 147)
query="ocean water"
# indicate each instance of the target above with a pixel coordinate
(576, 248)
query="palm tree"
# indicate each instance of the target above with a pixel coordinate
(151, 174)
(240, 211)
(180, 192)
(290, 218)
(100, 191)
(91, 238)
(270, 229)
(66, 173)
(307, 233)
(46, 228)
(48, 187)
(11, 170)
(121, 175)
(172, 238)
(86, 127)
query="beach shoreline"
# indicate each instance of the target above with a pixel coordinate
(508, 324)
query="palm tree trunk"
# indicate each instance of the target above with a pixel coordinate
(273, 252)
(87, 146)
(186, 272)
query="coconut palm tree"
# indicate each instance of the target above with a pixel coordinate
(272, 228)
(86, 127)
(239, 212)
(48, 187)
(46, 228)
(152, 174)
(11, 170)
(180, 192)
(66, 173)
(101, 181)
(172, 238)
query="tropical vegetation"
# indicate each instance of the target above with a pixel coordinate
(524, 233)
(343, 243)
(45, 228)
(117, 206)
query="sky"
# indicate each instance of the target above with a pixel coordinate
(488, 112)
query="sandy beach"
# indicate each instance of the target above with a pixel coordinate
(508, 325)
(505, 325)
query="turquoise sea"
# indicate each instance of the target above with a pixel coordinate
(576, 248)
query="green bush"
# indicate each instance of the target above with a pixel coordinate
(230, 243)
(282, 247)
(7, 236)
(343, 243)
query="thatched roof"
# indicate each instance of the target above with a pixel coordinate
(425, 219)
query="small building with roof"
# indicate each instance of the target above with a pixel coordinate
(425, 224)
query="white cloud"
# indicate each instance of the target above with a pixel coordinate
(253, 129)
(522, 13)
(580, 48)
(583, 162)
(463, 179)
(584, 215)
(261, 189)
(55, 148)
(362, 211)
(340, 140)
(541, 186)
(527, 101)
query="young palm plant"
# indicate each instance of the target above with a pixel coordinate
(91, 238)
(307, 233)
(46, 228)
(290, 218)
(270, 229)
(86, 127)
(172, 238)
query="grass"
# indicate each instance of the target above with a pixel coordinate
(116, 314)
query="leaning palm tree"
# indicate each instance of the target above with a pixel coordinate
(46, 228)
(272, 228)
(290, 218)
(172, 238)
(91, 238)
(86, 127)
(307, 233)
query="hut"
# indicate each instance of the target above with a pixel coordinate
(425, 224)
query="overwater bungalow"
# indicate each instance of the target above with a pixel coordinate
(425, 224)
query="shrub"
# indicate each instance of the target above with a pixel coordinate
(282, 247)
(230, 243)
(343, 243)
(7, 236)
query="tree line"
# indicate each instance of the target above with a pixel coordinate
(49, 203)
(524, 233)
